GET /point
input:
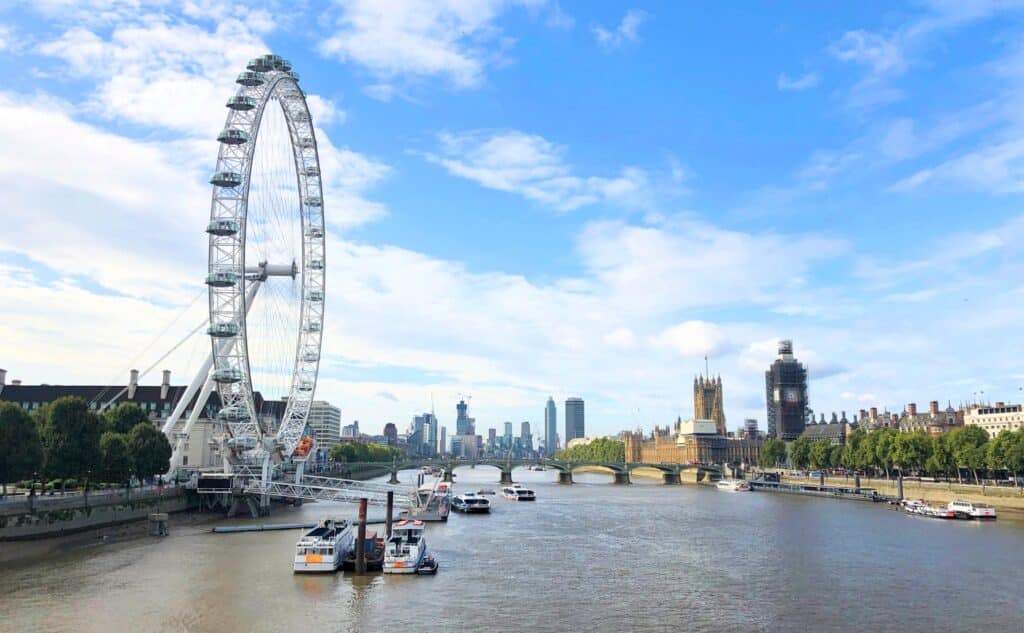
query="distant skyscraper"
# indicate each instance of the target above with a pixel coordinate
(550, 427)
(525, 437)
(443, 446)
(786, 391)
(492, 439)
(707, 401)
(574, 426)
(391, 432)
(462, 419)
(426, 425)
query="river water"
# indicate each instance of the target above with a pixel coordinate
(587, 557)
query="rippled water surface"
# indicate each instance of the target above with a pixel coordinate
(587, 557)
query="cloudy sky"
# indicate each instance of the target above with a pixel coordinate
(539, 197)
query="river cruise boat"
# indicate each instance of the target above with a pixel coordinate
(980, 511)
(323, 548)
(920, 508)
(405, 548)
(433, 502)
(471, 503)
(516, 492)
(733, 485)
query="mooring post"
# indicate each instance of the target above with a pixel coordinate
(387, 518)
(899, 486)
(821, 478)
(856, 481)
(394, 472)
(361, 540)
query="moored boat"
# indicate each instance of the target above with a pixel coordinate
(470, 503)
(433, 502)
(920, 508)
(516, 492)
(428, 567)
(374, 554)
(734, 485)
(405, 548)
(323, 548)
(980, 511)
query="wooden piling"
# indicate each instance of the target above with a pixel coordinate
(361, 540)
(387, 517)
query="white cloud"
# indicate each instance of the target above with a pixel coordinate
(628, 30)
(533, 167)
(796, 84)
(881, 54)
(144, 68)
(406, 38)
(996, 168)
(558, 18)
(693, 338)
(324, 111)
(621, 337)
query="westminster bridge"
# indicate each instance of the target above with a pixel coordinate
(671, 473)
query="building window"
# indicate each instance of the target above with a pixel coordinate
(184, 460)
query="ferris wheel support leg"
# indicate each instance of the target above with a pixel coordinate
(299, 470)
(197, 410)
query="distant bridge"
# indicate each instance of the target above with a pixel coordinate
(671, 473)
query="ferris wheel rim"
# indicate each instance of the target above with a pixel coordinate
(232, 287)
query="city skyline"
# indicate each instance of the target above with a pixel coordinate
(571, 250)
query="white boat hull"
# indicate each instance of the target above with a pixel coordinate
(326, 567)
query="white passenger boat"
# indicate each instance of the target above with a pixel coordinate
(323, 548)
(518, 493)
(733, 485)
(973, 510)
(470, 503)
(433, 502)
(920, 508)
(405, 548)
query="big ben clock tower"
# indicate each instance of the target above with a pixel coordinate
(786, 391)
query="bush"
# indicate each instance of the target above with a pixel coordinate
(25, 483)
(49, 486)
(70, 484)
(55, 483)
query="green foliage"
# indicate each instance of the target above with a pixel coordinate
(835, 456)
(70, 435)
(851, 453)
(820, 453)
(941, 458)
(968, 444)
(150, 451)
(123, 418)
(910, 451)
(885, 443)
(800, 452)
(21, 451)
(773, 453)
(358, 452)
(602, 449)
(115, 460)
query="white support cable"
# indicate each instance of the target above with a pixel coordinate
(146, 371)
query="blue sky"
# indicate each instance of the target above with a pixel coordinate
(537, 197)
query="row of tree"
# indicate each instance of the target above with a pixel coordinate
(349, 452)
(968, 448)
(602, 449)
(65, 439)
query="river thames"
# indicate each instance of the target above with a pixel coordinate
(587, 557)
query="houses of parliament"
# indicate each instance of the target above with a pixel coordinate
(703, 439)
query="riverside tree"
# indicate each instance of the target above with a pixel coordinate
(773, 453)
(602, 449)
(21, 452)
(123, 417)
(968, 447)
(800, 452)
(910, 451)
(358, 452)
(115, 460)
(70, 435)
(820, 453)
(150, 451)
